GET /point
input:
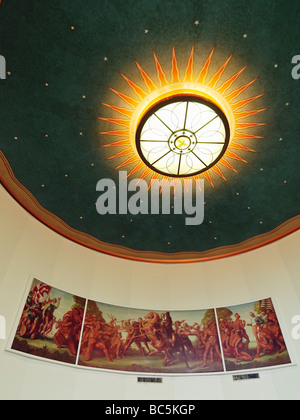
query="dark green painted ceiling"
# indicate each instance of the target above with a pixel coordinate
(49, 131)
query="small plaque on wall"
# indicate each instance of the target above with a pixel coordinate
(150, 380)
(245, 377)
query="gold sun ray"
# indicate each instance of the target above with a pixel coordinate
(119, 143)
(147, 79)
(237, 92)
(239, 146)
(208, 178)
(189, 71)
(175, 72)
(132, 159)
(118, 133)
(242, 126)
(128, 99)
(117, 121)
(123, 152)
(137, 168)
(225, 163)
(204, 71)
(161, 76)
(229, 96)
(228, 83)
(234, 156)
(242, 103)
(119, 110)
(217, 76)
(137, 89)
(218, 171)
(245, 114)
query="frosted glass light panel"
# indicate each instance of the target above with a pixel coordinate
(182, 138)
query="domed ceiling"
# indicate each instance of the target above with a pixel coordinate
(174, 91)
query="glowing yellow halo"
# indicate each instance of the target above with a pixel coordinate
(210, 89)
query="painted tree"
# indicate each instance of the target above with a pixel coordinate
(224, 313)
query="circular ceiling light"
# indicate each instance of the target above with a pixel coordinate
(190, 125)
(183, 136)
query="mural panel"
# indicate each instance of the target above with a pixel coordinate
(251, 336)
(73, 330)
(50, 324)
(136, 340)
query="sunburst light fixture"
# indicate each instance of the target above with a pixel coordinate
(182, 128)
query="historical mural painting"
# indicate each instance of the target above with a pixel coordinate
(65, 328)
(150, 341)
(50, 324)
(251, 336)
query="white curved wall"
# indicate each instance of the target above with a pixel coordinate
(29, 248)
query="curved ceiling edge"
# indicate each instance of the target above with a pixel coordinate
(26, 199)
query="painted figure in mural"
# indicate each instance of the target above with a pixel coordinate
(185, 345)
(234, 339)
(255, 322)
(31, 322)
(135, 335)
(68, 330)
(196, 331)
(239, 349)
(167, 324)
(23, 319)
(269, 336)
(153, 331)
(211, 342)
(266, 332)
(95, 339)
(115, 342)
(48, 315)
(37, 319)
(239, 329)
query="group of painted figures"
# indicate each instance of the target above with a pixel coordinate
(159, 334)
(38, 321)
(265, 328)
(152, 334)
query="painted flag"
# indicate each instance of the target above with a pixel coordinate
(267, 304)
(40, 291)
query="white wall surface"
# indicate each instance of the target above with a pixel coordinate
(29, 248)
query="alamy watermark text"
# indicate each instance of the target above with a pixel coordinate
(160, 197)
